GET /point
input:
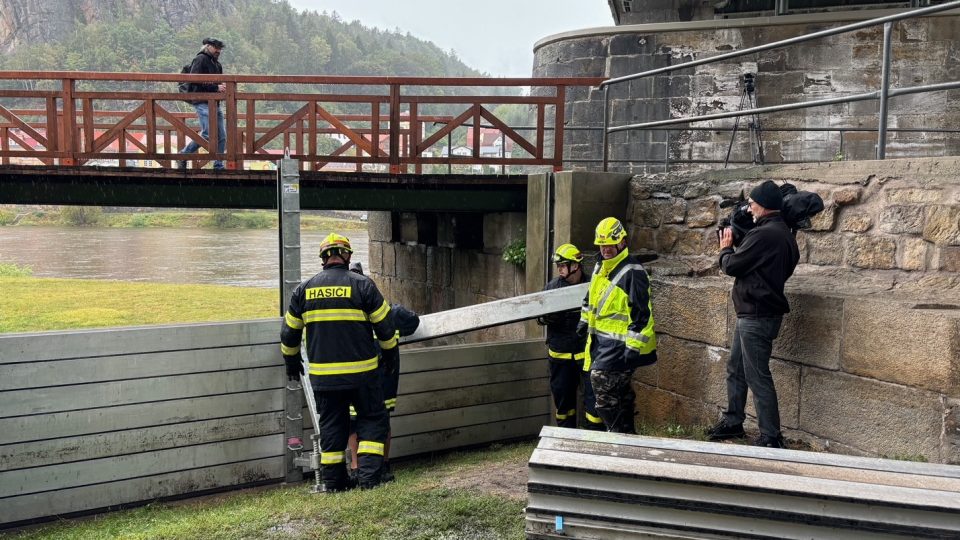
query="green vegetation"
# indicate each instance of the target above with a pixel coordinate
(261, 37)
(7, 217)
(516, 253)
(31, 304)
(80, 215)
(12, 270)
(430, 499)
(238, 219)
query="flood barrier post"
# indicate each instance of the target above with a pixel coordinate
(288, 203)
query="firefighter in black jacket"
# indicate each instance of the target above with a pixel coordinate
(406, 322)
(566, 348)
(344, 315)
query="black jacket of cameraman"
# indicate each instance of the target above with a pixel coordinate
(762, 264)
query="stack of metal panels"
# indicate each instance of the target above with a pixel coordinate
(593, 485)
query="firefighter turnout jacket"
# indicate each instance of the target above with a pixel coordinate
(617, 315)
(343, 314)
(563, 342)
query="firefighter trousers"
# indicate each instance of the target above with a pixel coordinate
(566, 376)
(333, 408)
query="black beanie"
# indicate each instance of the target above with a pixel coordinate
(767, 195)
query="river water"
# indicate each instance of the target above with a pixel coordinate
(239, 257)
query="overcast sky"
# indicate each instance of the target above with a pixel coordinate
(495, 36)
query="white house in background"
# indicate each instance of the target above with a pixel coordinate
(457, 151)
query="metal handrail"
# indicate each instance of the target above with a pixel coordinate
(883, 93)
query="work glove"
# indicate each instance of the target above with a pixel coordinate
(636, 359)
(582, 329)
(391, 360)
(294, 366)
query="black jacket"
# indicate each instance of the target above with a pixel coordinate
(762, 264)
(562, 335)
(205, 64)
(344, 315)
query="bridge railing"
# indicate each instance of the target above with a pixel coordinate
(388, 123)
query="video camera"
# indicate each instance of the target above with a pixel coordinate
(798, 209)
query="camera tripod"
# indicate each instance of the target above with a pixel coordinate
(748, 100)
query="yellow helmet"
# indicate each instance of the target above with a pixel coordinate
(332, 242)
(567, 253)
(609, 232)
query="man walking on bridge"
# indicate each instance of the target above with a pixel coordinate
(207, 62)
(566, 348)
(618, 316)
(762, 263)
(344, 315)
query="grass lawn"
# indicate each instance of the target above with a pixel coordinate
(30, 304)
(473, 495)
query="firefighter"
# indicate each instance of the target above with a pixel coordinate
(566, 348)
(406, 322)
(618, 316)
(344, 316)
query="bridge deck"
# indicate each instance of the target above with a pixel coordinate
(127, 186)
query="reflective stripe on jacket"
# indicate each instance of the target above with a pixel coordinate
(618, 315)
(346, 322)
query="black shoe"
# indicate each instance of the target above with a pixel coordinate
(723, 431)
(386, 475)
(352, 476)
(770, 442)
(181, 165)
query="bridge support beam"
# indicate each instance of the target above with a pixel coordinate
(565, 207)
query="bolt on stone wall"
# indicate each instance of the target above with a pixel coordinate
(868, 360)
(925, 51)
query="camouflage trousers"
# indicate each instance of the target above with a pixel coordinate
(615, 399)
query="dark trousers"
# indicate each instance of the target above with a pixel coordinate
(333, 407)
(749, 367)
(566, 376)
(615, 399)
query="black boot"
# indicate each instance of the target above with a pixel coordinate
(722, 431)
(386, 475)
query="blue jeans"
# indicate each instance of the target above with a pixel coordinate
(749, 367)
(203, 115)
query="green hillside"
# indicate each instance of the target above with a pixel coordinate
(263, 37)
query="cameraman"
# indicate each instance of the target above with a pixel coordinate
(761, 265)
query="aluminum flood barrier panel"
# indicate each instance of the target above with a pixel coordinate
(96, 419)
(586, 484)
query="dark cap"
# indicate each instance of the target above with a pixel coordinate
(767, 195)
(356, 267)
(213, 41)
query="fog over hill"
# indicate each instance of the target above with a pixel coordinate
(262, 36)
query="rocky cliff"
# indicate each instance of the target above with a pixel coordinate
(25, 21)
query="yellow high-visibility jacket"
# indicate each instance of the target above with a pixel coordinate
(344, 315)
(617, 314)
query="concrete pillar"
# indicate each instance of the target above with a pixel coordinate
(574, 201)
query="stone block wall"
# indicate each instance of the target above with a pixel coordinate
(865, 376)
(925, 51)
(868, 360)
(437, 262)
